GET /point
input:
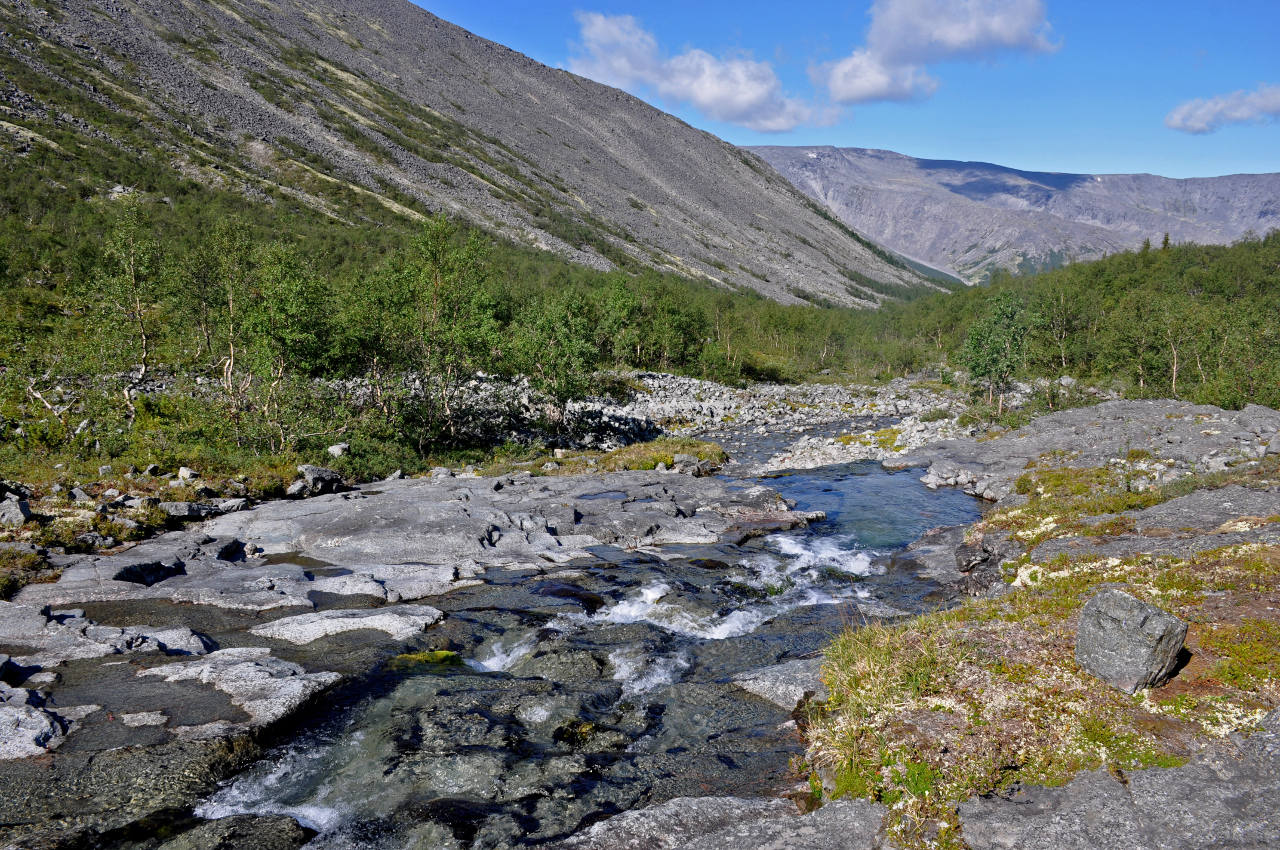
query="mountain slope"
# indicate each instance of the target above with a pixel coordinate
(969, 218)
(323, 102)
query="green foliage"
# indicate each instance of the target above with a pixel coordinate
(993, 344)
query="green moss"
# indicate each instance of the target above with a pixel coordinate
(425, 660)
(1249, 653)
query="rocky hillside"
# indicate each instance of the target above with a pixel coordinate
(969, 218)
(379, 102)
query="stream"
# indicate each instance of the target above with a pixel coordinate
(601, 686)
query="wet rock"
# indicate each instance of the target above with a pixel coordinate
(95, 792)
(1126, 642)
(269, 832)
(260, 832)
(401, 622)
(267, 688)
(786, 685)
(60, 636)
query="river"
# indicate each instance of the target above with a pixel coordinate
(606, 686)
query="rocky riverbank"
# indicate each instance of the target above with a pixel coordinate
(230, 627)
(141, 677)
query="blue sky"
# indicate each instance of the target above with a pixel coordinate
(1183, 88)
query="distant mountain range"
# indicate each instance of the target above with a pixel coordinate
(313, 100)
(969, 218)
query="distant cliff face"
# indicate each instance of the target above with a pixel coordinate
(316, 98)
(969, 218)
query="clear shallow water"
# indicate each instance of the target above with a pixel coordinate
(602, 688)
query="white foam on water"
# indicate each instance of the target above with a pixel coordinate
(648, 607)
(640, 673)
(817, 553)
(264, 790)
(503, 654)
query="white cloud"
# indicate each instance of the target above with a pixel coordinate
(863, 76)
(617, 51)
(1204, 115)
(907, 35)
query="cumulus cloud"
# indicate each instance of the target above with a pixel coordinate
(907, 35)
(618, 51)
(1204, 115)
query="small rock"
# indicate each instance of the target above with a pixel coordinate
(550, 465)
(1127, 643)
(186, 473)
(79, 495)
(151, 469)
(104, 471)
(339, 449)
(398, 475)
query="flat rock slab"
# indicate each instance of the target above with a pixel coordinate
(728, 823)
(403, 540)
(1219, 800)
(266, 688)
(496, 521)
(59, 636)
(1210, 510)
(401, 622)
(1196, 437)
(786, 685)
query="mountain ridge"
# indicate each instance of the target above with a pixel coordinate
(970, 218)
(302, 98)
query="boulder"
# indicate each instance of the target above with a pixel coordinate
(1126, 642)
(14, 513)
(28, 731)
(316, 481)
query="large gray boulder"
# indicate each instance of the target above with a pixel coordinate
(1127, 643)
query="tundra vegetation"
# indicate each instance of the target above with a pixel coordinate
(985, 697)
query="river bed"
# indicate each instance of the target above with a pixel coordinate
(606, 686)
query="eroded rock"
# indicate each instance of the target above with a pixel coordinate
(401, 622)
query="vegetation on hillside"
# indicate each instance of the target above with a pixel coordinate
(1187, 321)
